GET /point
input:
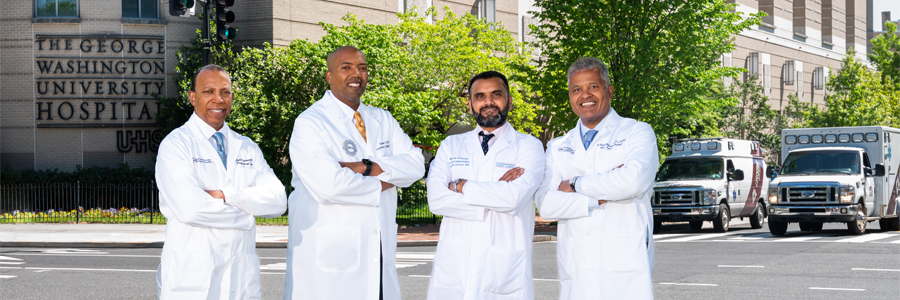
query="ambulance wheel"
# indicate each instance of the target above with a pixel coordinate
(720, 224)
(657, 226)
(758, 218)
(696, 225)
(777, 227)
(892, 224)
(858, 226)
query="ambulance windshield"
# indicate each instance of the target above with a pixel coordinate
(821, 162)
(691, 169)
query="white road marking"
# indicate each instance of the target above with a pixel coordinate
(698, 237)
(836, 289)
(734, 266)
(692, 284)
(9, 258)
(77, 269)
(895, 242)
(66, 251)
(756, 236)
(881, 270)
(7, 276)
(805, 238)
(12, 262)
(420, 276)
(412, 259)
(275, 266)
(270, 273)
(41, 271)
(666, 235)
(539, 279)
(867, 238)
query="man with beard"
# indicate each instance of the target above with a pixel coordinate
(347, 158)
(482, 182)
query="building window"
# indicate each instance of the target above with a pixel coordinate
(55, 8)
(140, 9)
(487, 10)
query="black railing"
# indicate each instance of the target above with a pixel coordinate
(137, 203)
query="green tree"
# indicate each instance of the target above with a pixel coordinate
(663, 58)
(857, 96)
(752, 118)
(886, 54)
(417, 71)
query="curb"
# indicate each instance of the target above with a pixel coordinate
(537, 238)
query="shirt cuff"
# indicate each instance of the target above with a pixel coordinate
(385, 174)
(592, 204)
(578, 185)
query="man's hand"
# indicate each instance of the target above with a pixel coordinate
(360, 168)
(565, 187)
(512, 174)
(217, 194)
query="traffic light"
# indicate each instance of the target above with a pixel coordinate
(181, 8)
(224, 16)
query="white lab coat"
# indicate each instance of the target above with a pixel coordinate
(210, 249)
(484, 249)
(340, 221)
(606, 253)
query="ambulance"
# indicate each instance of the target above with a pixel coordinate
(704, 180)
(841, 174)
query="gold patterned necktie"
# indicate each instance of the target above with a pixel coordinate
(360, 126)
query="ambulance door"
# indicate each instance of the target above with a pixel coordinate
(736, 190)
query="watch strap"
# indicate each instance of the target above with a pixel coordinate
(368, 164)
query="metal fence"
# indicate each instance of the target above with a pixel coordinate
(137, 203)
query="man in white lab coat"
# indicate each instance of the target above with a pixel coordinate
(347, 158)
(597, 182)
(482, 182)
(212, 183)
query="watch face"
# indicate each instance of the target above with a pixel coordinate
(366, 161)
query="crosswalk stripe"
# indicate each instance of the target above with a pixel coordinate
(803, 238)
(698, 237)
(7, 276)
(667, 235)
(867, 238)
(9, 258)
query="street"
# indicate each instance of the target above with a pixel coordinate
(743, 263)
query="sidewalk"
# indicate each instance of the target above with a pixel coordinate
(153, 236)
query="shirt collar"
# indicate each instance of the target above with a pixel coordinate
(584, 129)
(343, 107)
(205, 130)
(497, 132)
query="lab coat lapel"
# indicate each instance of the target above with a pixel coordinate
(234, 148)
(207, 150)
(576, 165)
(372, 126)
(346, 127)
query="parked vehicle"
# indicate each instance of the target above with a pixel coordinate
(703, 180)
(835, 175)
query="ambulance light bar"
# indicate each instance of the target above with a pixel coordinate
(830, 138)
(712, 145)
(679, 147)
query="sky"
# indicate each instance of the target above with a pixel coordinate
(879, 6)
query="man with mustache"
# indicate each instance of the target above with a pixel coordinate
(482, 182)
(347, 158)
(597, 183)
(212, 182)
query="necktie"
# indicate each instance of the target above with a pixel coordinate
(485, 138)
(588, 138)
(359, 125)
(220, 147)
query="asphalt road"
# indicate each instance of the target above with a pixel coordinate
(741, 264)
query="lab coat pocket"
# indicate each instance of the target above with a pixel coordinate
(622, 252)
(450, 265)
(247, 273)
(186, 275)
(504, 271)
(338, 249)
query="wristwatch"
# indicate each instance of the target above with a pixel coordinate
(572, 183)
(368, 164)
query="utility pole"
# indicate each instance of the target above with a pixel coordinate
(205, 33)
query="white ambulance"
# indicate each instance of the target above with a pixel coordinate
(703, 180)
(835, 175)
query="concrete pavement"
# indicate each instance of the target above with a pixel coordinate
(153, 236)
